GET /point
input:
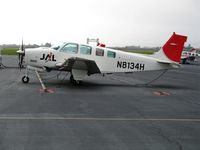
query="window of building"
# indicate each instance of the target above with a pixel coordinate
(111, 54)
(70, 48)
(99, 52)
(85, 49)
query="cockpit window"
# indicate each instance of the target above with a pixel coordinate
(70, 48)
(57, 46)
(85, 49)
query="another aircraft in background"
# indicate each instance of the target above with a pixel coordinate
(189, 56)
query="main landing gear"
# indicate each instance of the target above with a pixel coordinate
(75, 82)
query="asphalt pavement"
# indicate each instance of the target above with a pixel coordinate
(111, 112)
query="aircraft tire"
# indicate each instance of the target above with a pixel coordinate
(25, 79)
(75, 82)
(184, 61)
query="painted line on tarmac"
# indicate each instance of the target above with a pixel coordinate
(101, 119)
(185, 72)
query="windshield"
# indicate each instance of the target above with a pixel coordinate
(57, 46)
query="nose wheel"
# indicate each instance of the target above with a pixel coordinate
(75, 82)
(25, 79)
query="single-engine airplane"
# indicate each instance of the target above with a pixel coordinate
(84, 60)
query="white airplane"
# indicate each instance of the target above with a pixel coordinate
(84, 60)
(187, 56)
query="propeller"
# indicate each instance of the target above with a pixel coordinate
(21, 54)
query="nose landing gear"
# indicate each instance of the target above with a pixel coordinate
(25, 79)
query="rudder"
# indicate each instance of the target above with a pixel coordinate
(174, 47)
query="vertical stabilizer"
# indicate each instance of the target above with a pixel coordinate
(172, 49)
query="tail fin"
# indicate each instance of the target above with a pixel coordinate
(171, 51)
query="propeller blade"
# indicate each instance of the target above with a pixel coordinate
(21, 53)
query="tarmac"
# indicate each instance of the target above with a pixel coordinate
(111, 112)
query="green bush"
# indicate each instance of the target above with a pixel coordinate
(148, 52)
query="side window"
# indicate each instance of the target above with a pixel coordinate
(70, 48)
(85, 50)
(99, 52)
(111, 54)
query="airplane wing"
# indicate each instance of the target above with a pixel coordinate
(80, 67)
(83, 64)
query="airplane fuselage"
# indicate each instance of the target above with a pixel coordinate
(109, 61)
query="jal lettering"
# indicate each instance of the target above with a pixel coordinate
(48, 57)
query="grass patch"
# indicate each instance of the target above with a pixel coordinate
(9, 51)
(12, 51)
(148, 52)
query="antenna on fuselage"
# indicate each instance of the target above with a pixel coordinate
(89, 41)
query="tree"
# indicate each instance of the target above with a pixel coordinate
(47, 44)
